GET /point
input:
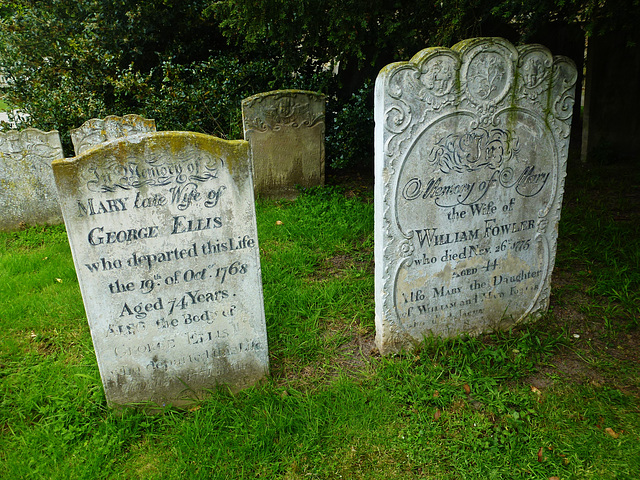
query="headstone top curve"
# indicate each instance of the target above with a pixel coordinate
(97, 130)
(285, 92)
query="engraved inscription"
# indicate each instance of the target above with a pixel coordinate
(468, 192)
(165, 246)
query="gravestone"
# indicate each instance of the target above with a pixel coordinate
(96, 130)
(11, 118)
(285, 129)
(28, 193)
(471, 149)
(163, 234)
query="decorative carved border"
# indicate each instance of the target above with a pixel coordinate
(481, 78)
(282, 108)
(96, 130)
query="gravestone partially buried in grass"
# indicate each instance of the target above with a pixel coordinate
(163, 234)
(28, 193)
(285, 129)
(471, 150)
(97, 130)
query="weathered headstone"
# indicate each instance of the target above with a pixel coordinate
(471, 148)
(11, 118)
(28, 193)
(285, 129)
(96, 130)
(163, 235)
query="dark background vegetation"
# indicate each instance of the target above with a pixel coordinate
(188, 64)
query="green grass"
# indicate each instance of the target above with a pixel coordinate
(529, 403)
(600, 242)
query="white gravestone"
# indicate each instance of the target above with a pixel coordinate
(471, 149)
(285, 129)
(96, 130)
(163, 234)
(28, 193)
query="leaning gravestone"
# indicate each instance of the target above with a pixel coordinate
(162, 230)
(96, 130)
(28, 193)
(471, 150)
(285, 129)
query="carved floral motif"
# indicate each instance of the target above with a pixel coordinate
(275, 110)
(35, 146)
(487, 76)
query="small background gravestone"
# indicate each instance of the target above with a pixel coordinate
(96, 131)
(163, 235)
(28, 193)
(285, 129)
(471, 149)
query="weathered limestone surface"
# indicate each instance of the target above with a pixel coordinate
(163, 235)
(96, 131)
(28, 193)
(471, 149)
(285, 129)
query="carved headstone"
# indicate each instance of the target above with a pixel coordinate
(96, 131)
(285, 129)
(28, 193)
(471, 149)
(162, 230)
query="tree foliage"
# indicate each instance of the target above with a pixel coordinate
(66, 61)
(188, 64)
